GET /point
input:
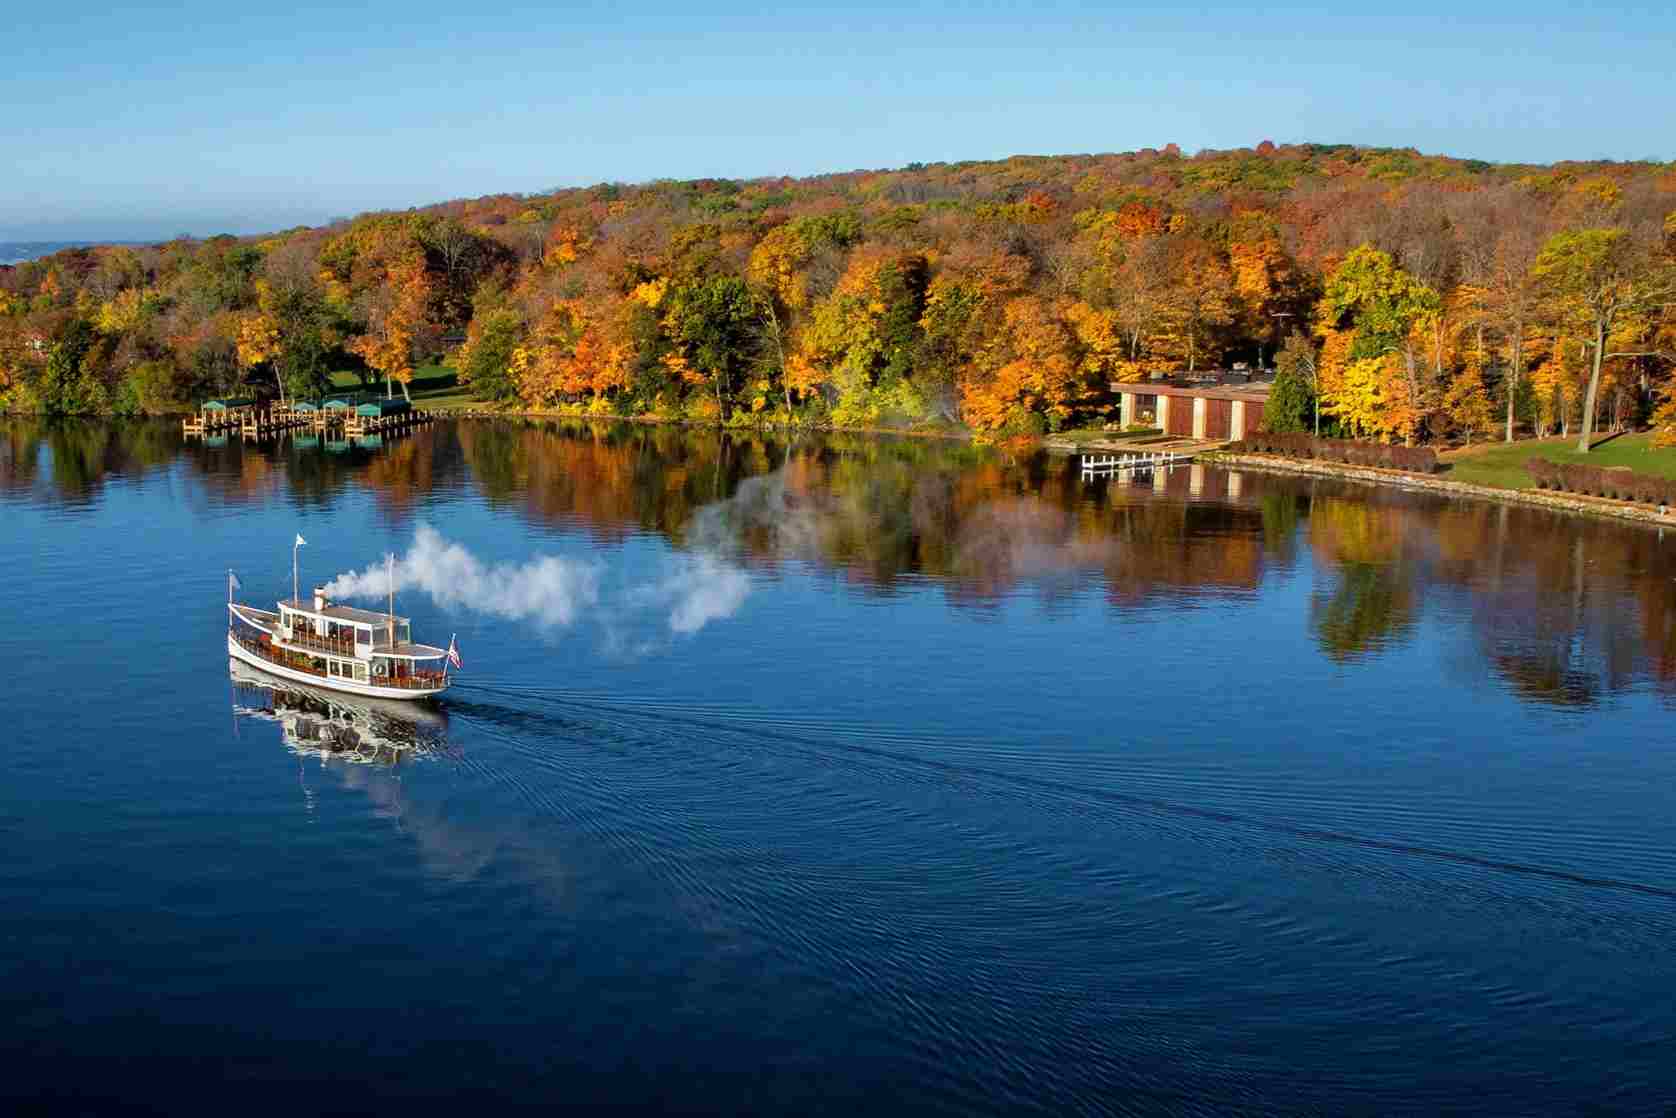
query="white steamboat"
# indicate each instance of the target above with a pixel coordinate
(321, 644)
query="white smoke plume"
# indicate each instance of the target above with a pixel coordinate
(704, 585)
(550, 589)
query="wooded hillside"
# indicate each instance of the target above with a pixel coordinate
(1428, 296)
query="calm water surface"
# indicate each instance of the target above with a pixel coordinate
(843, 773)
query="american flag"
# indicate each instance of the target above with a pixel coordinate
(454, 654)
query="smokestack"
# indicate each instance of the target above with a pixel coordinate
(319, 598)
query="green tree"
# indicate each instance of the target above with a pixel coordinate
(713, 321)
(71, 386)
(1293, 404)
(484, 363)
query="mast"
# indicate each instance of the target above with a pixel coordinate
(300, 542)
(390, 571)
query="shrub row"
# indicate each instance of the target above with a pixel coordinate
(1618, 482)
(1416, 459)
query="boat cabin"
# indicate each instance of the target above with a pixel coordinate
(358, 644)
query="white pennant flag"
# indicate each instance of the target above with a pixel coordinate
(233, 582)
(300, 541)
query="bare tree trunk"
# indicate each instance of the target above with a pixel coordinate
(1589, 397)
(1413, 390)
(771, 322)
(1513, 379)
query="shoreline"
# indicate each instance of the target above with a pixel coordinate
(652, 421)
(951, 434)
(1573, 503)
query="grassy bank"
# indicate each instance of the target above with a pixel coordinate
(1076, 438)
(434, 388)
(1502, 465)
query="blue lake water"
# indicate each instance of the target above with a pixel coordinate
(840, 773)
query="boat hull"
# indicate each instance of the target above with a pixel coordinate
(425, 717)
(327, 683)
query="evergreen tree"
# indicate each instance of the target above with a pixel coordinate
(1291, 403)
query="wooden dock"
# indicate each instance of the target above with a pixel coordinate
(358, 426)
(258, 423)
(261, 425)
(1094, 465)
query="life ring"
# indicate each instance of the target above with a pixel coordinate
(378, 669)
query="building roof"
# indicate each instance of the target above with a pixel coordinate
(1216, 384)
(410, 651)
(334, 612)
(384, 407)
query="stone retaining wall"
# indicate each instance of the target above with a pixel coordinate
(1561, 502)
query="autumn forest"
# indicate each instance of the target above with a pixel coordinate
(1403, 297)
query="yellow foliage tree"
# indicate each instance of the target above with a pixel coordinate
(397, 316)
(256, 338)
(1467, 404)
(1040, 376)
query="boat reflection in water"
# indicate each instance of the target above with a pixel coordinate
(364, 746)
(328, 724)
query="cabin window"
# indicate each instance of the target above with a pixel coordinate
(361, 673)
(363, 635)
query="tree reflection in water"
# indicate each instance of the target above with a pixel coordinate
(1565, 610)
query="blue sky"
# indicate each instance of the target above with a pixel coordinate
(146, 121)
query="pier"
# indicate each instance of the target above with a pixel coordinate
(1095, 464)
(246, 418)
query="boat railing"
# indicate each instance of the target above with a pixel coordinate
(413, 681)
(278, 656)
(337, 646)
(418, 681)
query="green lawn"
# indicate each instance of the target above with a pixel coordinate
(1080, 436)
(1502, 465)
(433, 388)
